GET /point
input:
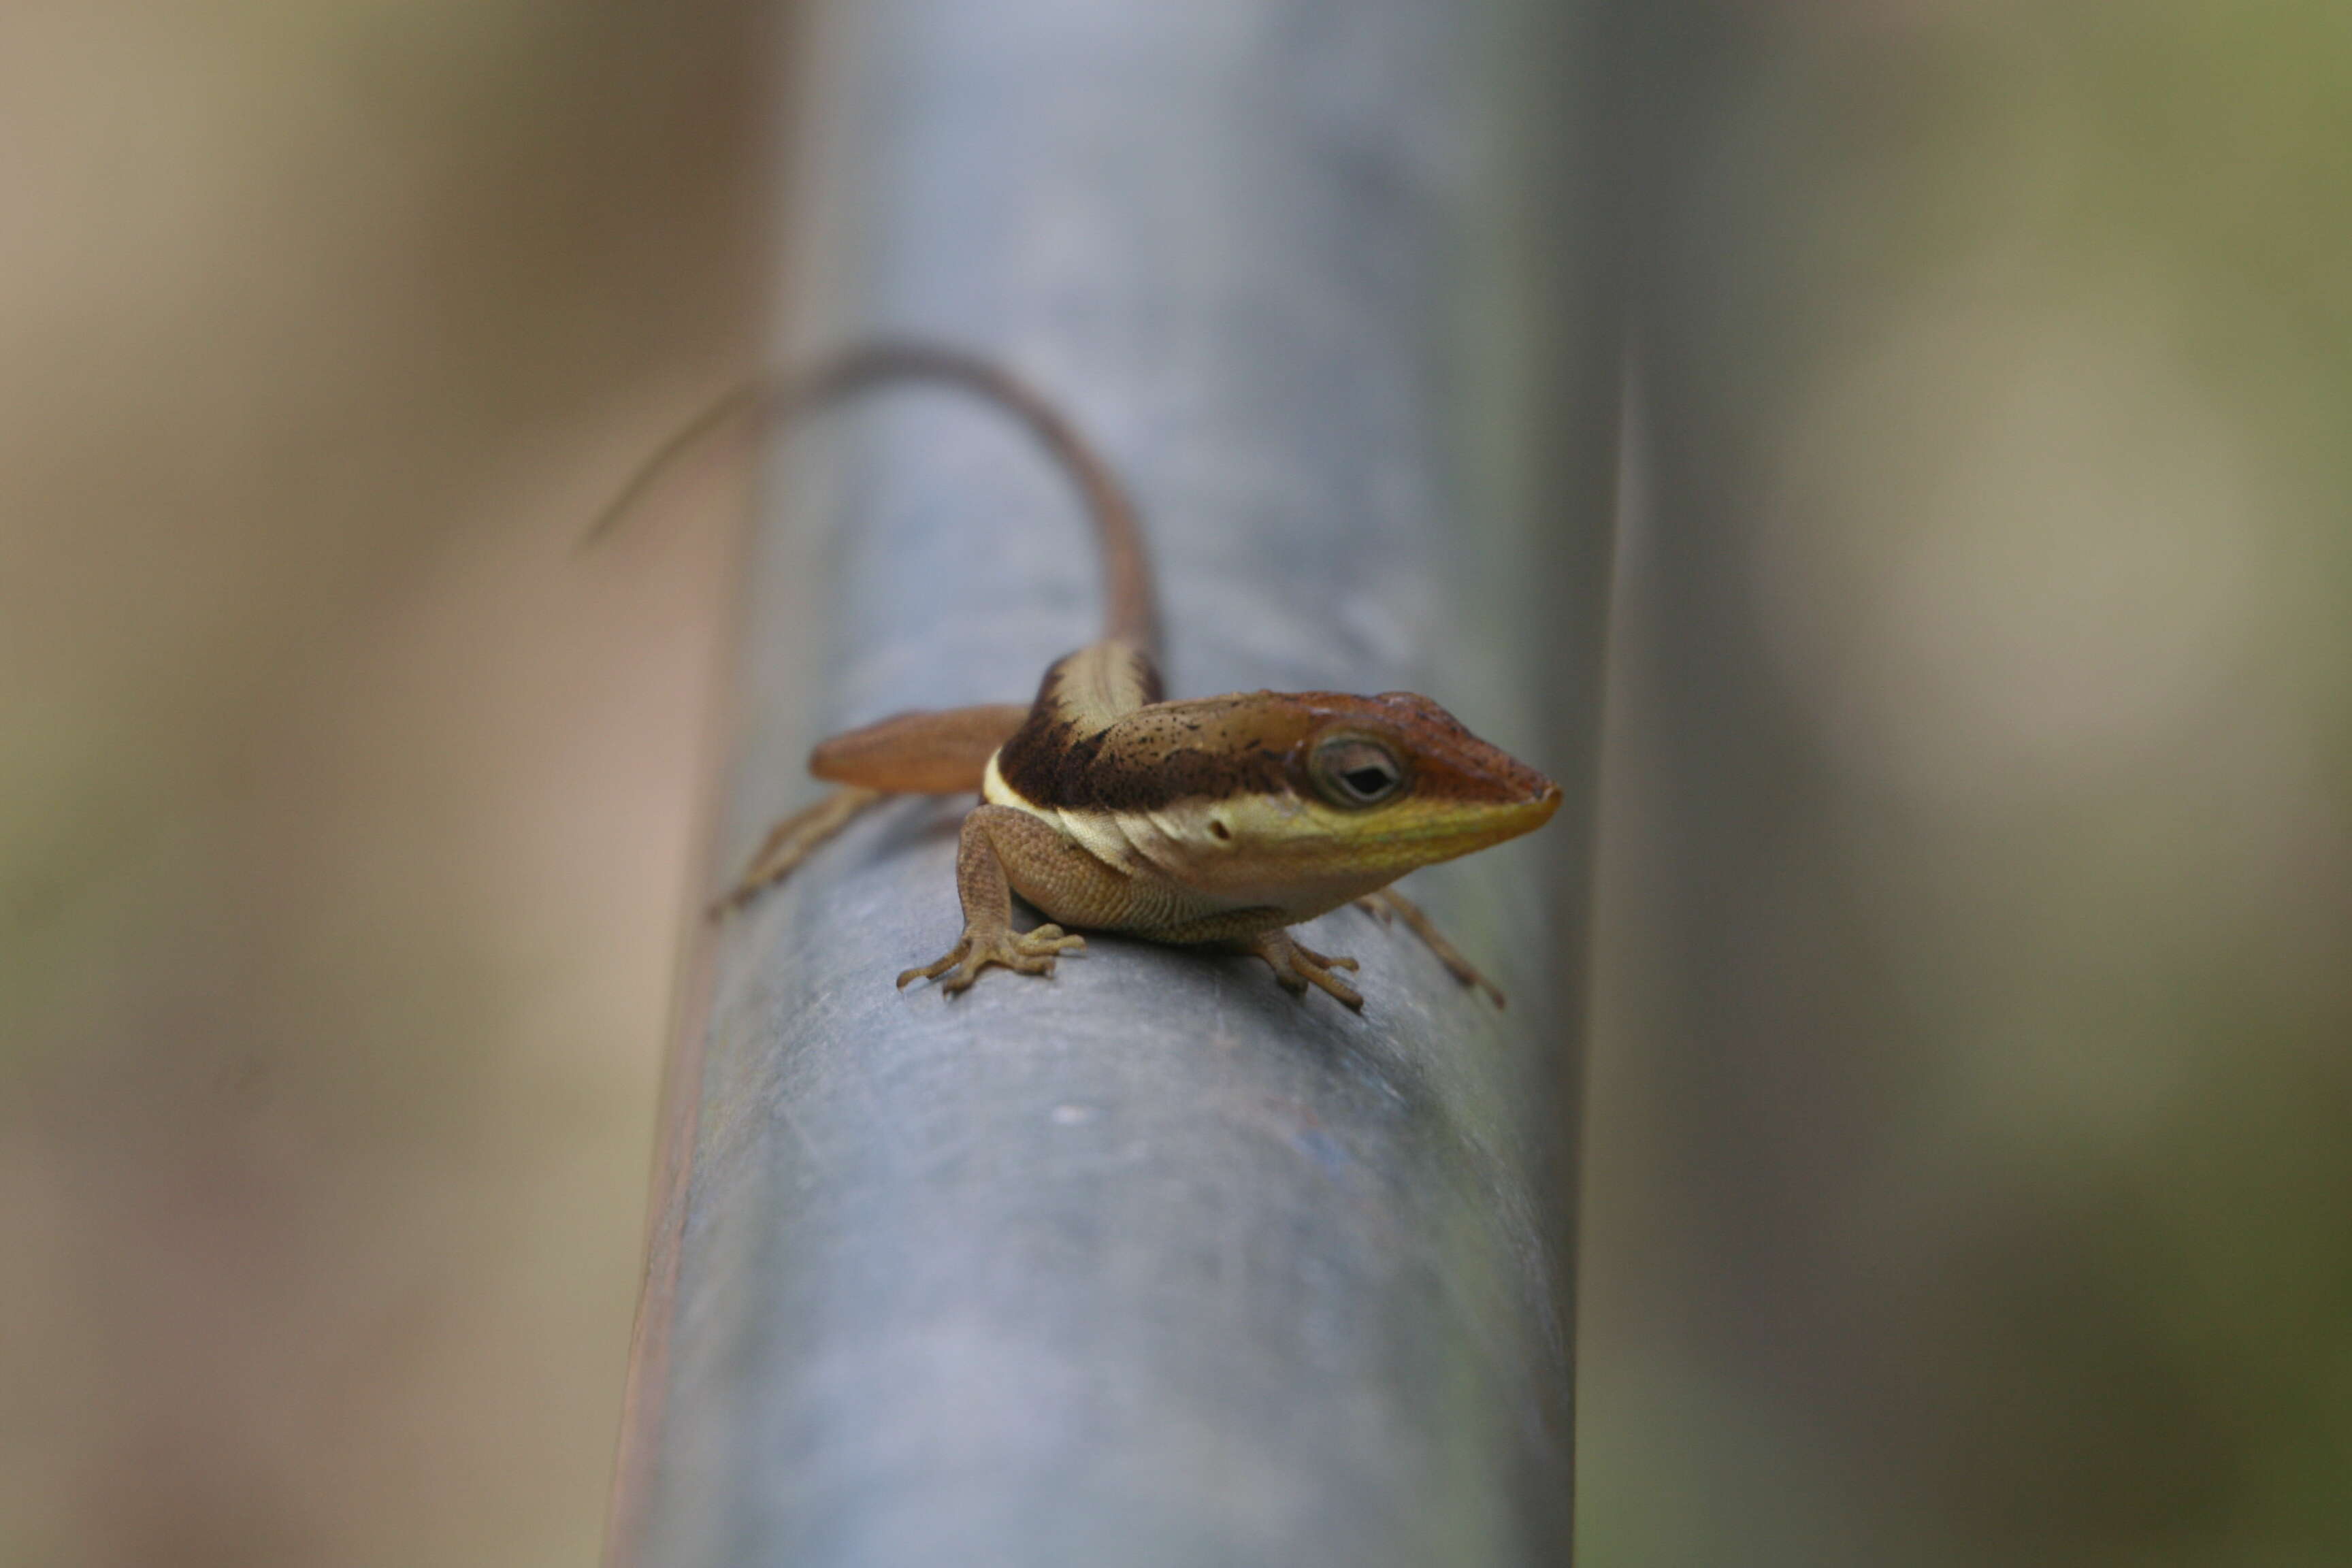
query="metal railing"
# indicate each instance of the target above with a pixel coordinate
(1152, 1262)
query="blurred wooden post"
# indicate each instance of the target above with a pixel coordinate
(1152, 1263)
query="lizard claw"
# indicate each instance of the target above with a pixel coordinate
(1026, 953)
(1298, 966)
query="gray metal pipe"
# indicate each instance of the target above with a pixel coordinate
(1151, 1263)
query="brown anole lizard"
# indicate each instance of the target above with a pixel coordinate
(1212, 821)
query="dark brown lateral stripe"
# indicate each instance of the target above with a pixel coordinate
(1036, 759)
(1107, 779)
(1030, 762)
(1247, 743)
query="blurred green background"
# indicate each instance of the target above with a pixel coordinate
(1970, 1115)
(1970, 1174)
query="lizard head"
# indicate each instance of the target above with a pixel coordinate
(1309, 798)
(1396, 781)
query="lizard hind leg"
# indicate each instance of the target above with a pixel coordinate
(944, 752)
(1297, 966)
(790, 842)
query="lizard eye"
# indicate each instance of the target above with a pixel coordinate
(1351, 771)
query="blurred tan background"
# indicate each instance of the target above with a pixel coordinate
(1970, 1179)
(344, 812)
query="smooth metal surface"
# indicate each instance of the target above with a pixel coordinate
(1151, 1263)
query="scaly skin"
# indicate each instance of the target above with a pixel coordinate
(1216, 821)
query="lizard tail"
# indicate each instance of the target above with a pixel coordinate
(1130, 614)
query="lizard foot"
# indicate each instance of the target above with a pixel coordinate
(1298, 966)
(1028, 953)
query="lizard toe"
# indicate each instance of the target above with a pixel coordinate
(1297, 966)
(1024, 953)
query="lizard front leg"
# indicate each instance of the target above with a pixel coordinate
(1298, 966)
(1039, 853)
(1388, 904)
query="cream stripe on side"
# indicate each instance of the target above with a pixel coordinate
(997, 792)
(1096, 832)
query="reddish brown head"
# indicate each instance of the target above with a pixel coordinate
(1298, 796)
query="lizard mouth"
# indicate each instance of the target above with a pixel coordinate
(1460, 827)
(1524, 816)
